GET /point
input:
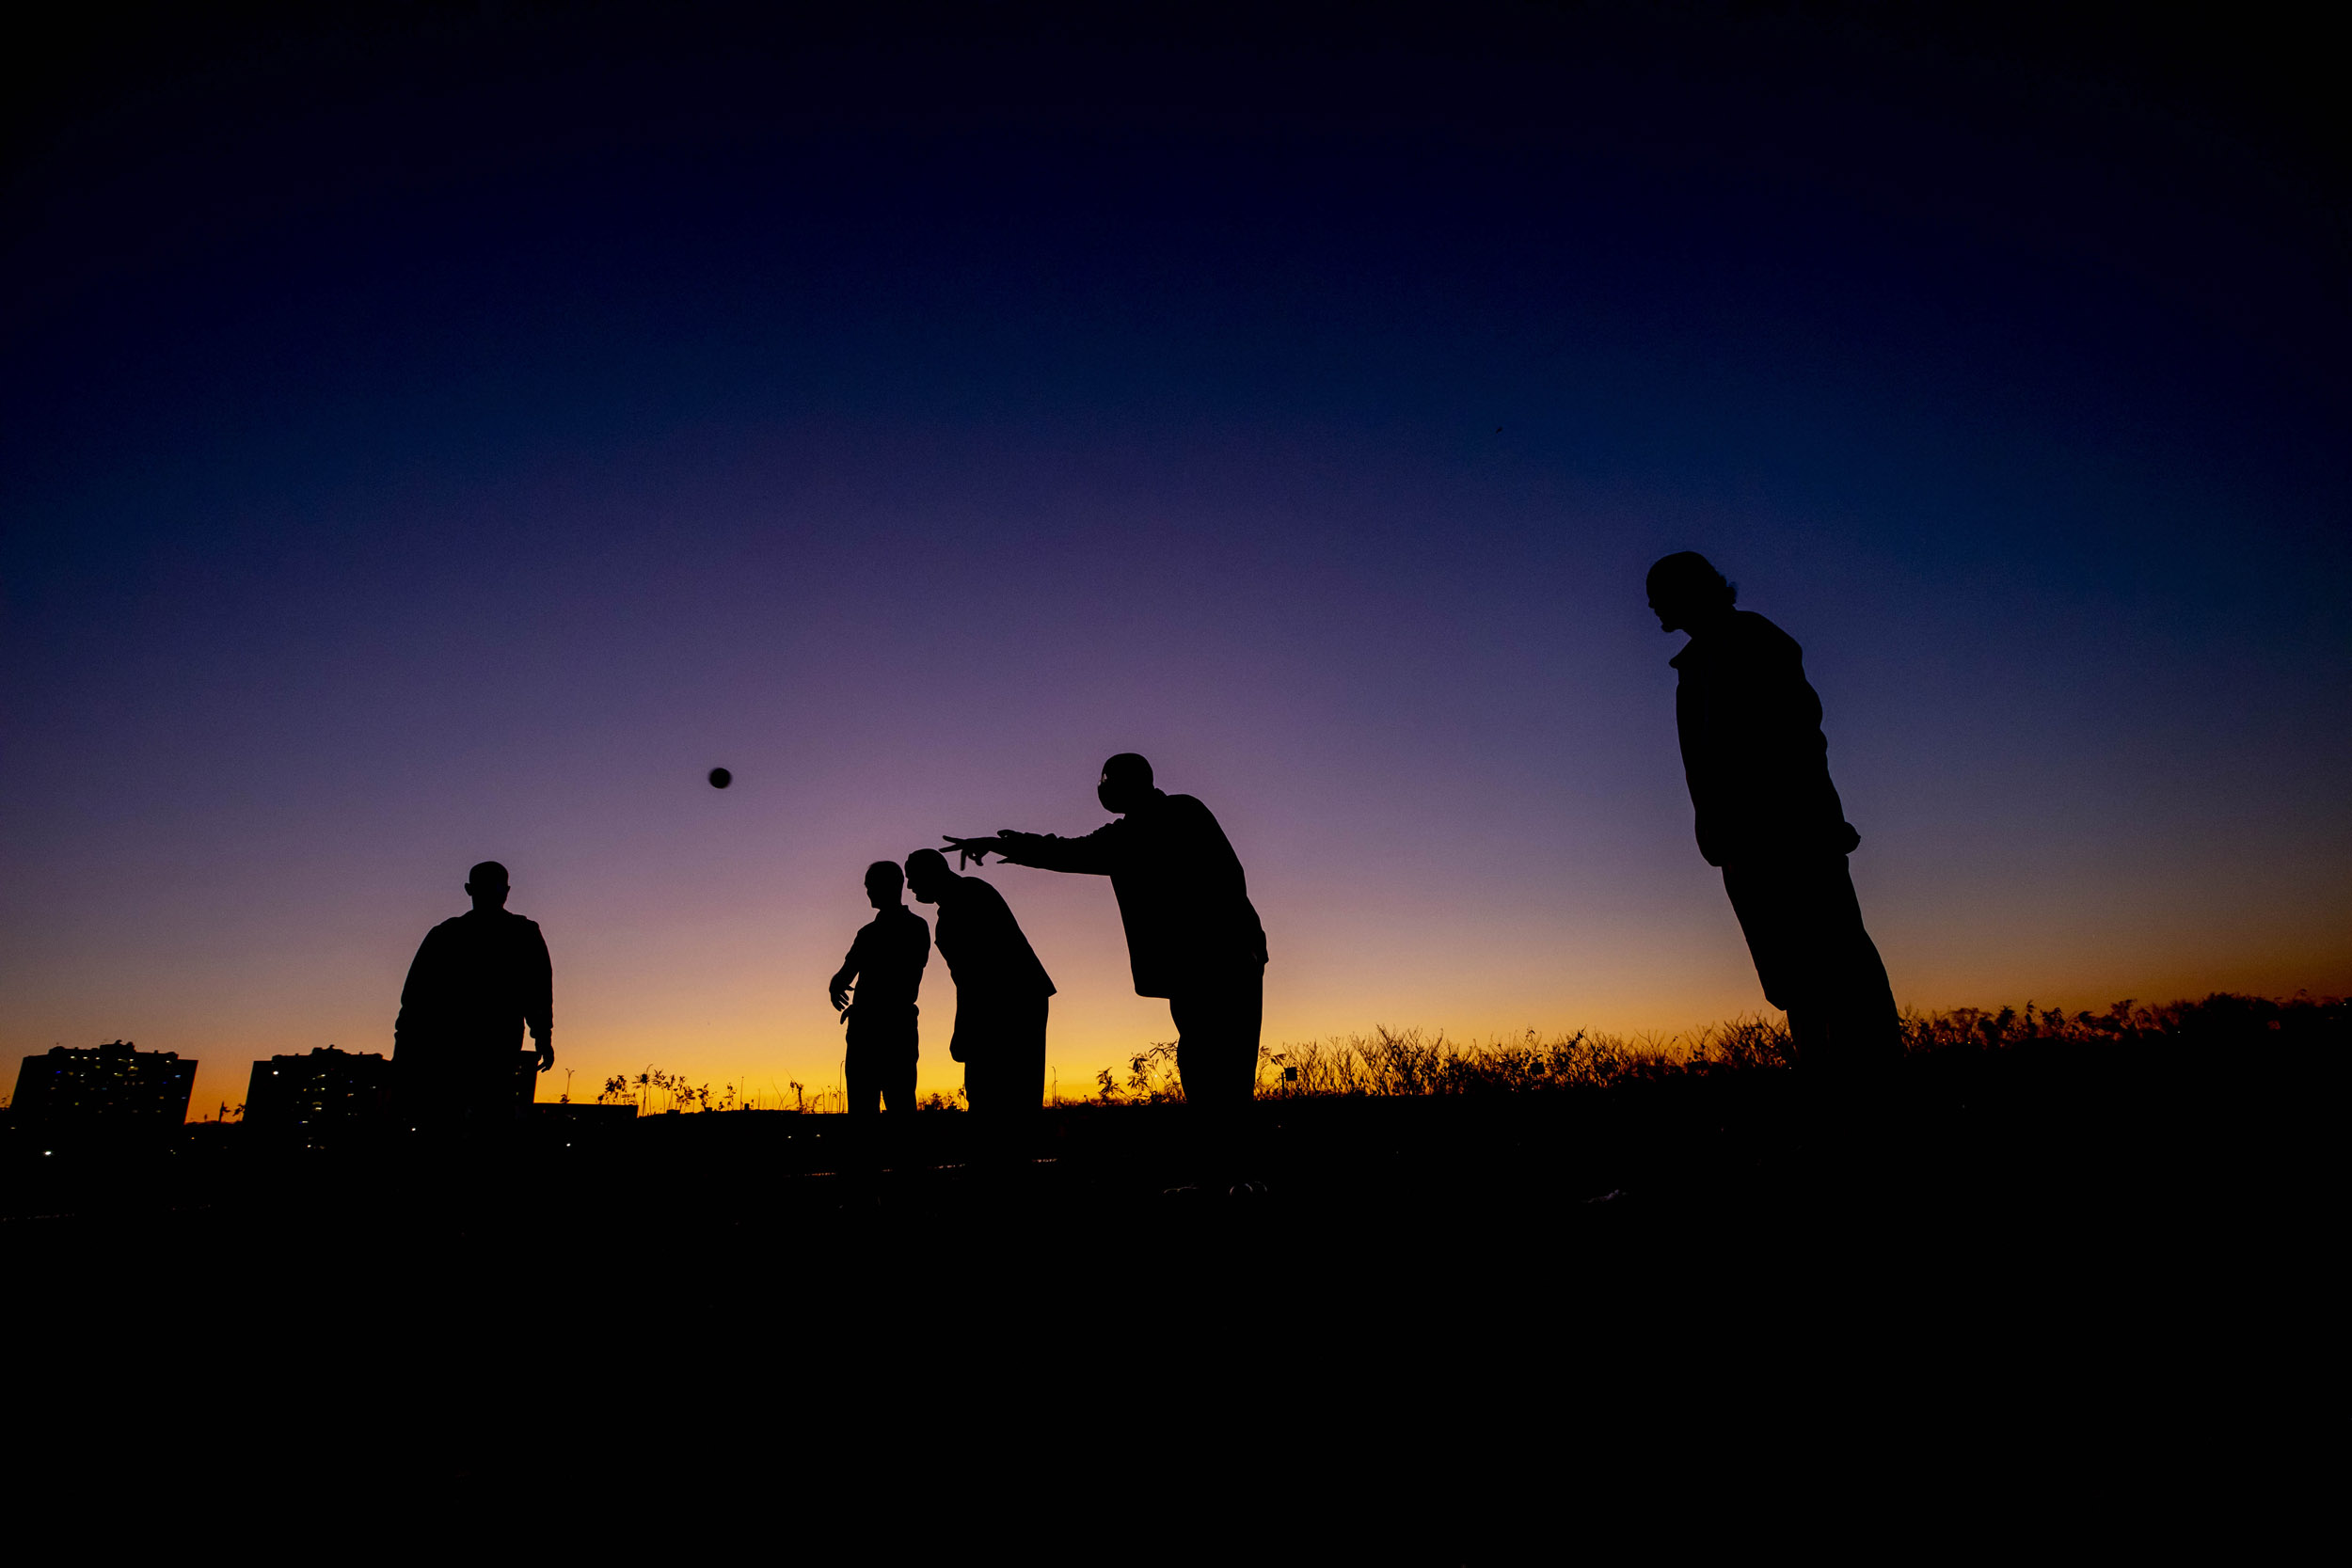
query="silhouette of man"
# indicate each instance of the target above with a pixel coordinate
(476, 982)
(1193, 936)
(1766, 813)
(885, 964)
(1001, 990)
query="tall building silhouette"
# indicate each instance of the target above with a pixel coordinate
(319, 1090)
(110, 1087)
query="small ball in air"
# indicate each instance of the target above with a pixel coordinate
(721, 778)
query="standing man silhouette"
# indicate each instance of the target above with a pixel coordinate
(1001, 991)
(1757, 765)
(885, 964)
(1193, 936)
(476, 982)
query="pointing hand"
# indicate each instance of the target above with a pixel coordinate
(972, 852)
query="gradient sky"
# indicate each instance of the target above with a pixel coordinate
(444, 442)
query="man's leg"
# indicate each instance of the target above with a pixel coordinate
(1030, 1056)
(1216, 1039)
(1873, 1021)
(1773, 901)
(884, 1048)
(1217, 1060)
(416, 1076)
(983, 1094)
(1024, 1059)
(890, 1072)
(1861, 1034)
(978, 1058)
(1762, 896)
(461, 1102)
(898, 1089)
(860, 1085)
(1803, 926)
(1004, 1077)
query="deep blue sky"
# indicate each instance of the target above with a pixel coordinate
(424, 442)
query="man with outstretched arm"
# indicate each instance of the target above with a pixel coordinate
(886, 965)
(1193, 936)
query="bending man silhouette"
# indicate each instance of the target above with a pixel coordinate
(1193, 936)
(1766, 813)
(1001, 990)
(885, 964)
(476, 982)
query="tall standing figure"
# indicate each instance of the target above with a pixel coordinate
(886, 965)
(476, 982)
(1001, 990)
(1757, 765)
(1193, 936)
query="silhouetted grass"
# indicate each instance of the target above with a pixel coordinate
(1416, 1062)
(2222, 1022)
(1413, 1063)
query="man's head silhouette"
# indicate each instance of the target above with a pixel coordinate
(1686, 593)
(882, 882)
(486, 882)
(926, 874)
(1126, 783)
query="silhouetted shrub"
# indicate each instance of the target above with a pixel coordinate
(2222, 1020)
(1409, 1062)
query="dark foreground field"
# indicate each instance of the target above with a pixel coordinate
(1451, 1325)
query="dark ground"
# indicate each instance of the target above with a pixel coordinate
(2001, 1278)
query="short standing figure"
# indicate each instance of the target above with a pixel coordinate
(1001, 990)
(1193, 936)
(1757, 765)
(886, 965)
(477, 982)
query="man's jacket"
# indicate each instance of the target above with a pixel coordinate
(987, 955)
(887, 960)
(477, 980)
(1180, 887)
(1752, 749)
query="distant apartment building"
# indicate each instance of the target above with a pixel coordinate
(318, 1090)
(115, 1086)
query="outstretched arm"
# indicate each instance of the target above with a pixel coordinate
(973, 851)
(1094, 853)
